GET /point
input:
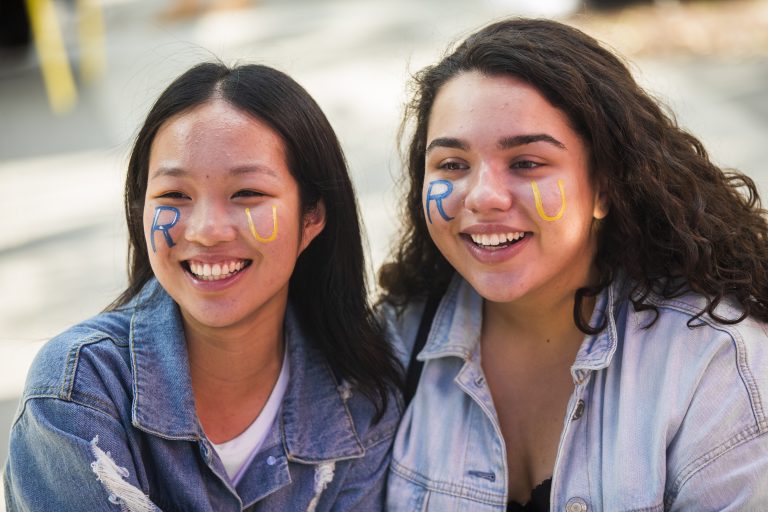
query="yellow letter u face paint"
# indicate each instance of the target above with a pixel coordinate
(540, 206)
(256, 235)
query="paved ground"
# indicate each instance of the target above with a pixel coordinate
(62, 247)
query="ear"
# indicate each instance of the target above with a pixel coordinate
(601, 204)
(314, 222)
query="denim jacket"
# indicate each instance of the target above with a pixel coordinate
(661, 418)
(112, 398)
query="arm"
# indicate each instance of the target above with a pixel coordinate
(69, 457)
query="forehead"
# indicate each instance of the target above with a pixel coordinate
(214, 130)
(495, 106)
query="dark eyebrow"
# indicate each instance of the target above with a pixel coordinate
(177, 172)
(446, 142)
(522, 140)
(253, 169)
(173, 172)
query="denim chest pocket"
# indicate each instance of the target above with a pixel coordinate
(411, 491)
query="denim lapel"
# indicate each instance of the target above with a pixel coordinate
(163, 403)
(317, 425)
(457, 324)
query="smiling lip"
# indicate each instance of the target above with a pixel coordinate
(215, 274)
(490, 243)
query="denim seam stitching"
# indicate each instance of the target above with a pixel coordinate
(330, 373)
(459, 491)
(73, 359)
(381, 437)
(696, 465)
(653, 508)
(56, 397)
(742, 365)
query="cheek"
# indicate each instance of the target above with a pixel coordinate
(263, 223)
(549, 199)
(161, 226)
(441, 201)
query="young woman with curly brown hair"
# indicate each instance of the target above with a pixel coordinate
(589, 289)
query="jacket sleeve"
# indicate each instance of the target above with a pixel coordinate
(70, 457)
(735, 479)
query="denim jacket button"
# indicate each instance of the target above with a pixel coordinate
(576, 505)
(271, 461)
(577, 413)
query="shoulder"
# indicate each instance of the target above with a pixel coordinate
(705, 379)
(734, 351)
(79, 364)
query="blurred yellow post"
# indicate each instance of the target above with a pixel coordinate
(57, 73)
(91, 36)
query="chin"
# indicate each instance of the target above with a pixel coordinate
(496, 288)
(212, 319)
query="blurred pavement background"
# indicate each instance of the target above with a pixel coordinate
(62, 240)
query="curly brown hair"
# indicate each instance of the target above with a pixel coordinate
(677, 222)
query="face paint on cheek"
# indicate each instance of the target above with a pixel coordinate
(163, 228)
(438, 197)
(540, 206)
(258, 237)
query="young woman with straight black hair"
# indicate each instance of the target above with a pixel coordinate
(242, 367)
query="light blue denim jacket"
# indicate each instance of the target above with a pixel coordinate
(117, 389)
(664, 418)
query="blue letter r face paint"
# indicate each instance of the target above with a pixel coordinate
(438, 198)
(163, 228)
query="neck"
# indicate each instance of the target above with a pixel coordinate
(233, 371)
(552, 325)
(546, 319)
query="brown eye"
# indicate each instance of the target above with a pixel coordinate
(452, 166)
(247, 193)
(173, 195)
(525, 164)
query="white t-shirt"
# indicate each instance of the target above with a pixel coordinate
(237, 453)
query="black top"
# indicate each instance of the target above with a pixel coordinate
(539, 501)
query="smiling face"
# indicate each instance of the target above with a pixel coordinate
(222, 216)
(507, 189)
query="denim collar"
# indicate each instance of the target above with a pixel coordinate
(315, 422)
(458, 321)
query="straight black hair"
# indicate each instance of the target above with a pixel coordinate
(328, 288)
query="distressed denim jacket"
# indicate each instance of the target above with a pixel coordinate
(663, 418)
(112, 398)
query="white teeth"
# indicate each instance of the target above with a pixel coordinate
(496, 239)
(208, 272)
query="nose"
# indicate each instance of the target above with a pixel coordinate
(210, 224)
(489, 190)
